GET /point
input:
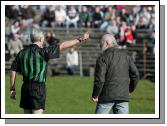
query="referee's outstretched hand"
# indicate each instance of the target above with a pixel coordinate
(85, 36)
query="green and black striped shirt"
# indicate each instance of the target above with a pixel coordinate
(32, 61)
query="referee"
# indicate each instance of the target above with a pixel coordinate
(31, 63)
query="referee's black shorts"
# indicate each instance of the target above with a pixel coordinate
(33, 96)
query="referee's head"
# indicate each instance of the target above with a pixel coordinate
(37, 36)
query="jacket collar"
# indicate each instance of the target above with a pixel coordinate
(110, 49)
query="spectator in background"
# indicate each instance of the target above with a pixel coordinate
(72, 17)
(152, 24)
(51, 39)
(119, 9)
(122, 38)
(35, 24)
(25, 34)
(27, 12)
(72, 61)
(28, 15)
(151, 43)
(129, 37)
(145, 14)
(125, 16)
(15, 45)
(15, 28)
(60, 16)
(42, 8)
(133, 28)
(48, 18)
(97, 17)
(144, 19)
(11, 12)
(152, 38)
(108, 17)
(134, 16)
(84, 17)
(152, 11)
(113, 29)
(142, 24)
(118, 21)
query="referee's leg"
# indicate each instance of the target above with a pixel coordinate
(27, 111)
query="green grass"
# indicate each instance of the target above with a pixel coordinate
(72, 95)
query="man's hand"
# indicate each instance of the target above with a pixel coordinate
(95, 99)
(84, 37)
(13, 94)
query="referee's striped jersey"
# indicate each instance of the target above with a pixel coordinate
(31, 62)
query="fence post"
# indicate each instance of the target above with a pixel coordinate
(145, 57)
(80, 64)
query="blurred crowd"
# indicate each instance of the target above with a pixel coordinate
(120, 20)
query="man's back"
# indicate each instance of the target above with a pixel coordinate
(113, 74)
(117, 64)
(31, 62)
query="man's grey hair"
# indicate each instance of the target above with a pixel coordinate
(36, 34)
(110, 39)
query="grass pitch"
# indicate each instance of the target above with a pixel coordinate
(72, 95)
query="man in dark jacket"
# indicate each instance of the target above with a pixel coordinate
(116, 76)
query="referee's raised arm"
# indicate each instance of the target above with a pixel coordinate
(53, 51)
(67, 44)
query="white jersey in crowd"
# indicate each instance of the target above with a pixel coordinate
(72, 58)
(60, 15)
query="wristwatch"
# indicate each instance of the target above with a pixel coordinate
(80, 39)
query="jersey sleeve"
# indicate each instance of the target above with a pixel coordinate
(51, 52)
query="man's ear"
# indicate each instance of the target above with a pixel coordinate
(107, 43)
(40, 39)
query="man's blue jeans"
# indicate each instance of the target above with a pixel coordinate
(115, 107)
